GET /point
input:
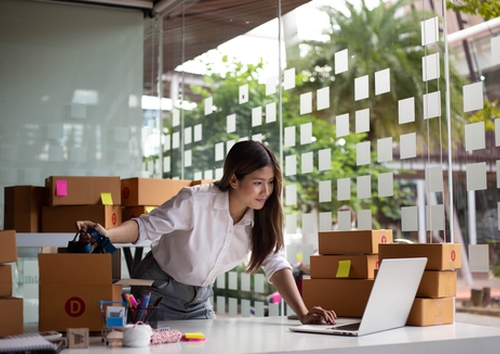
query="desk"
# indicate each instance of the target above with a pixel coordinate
(55, 239)
(271, 335)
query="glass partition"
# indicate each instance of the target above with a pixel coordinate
(364, 104)
(381, 117)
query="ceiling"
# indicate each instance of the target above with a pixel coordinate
(192, 27)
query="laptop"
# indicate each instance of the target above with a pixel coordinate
(389, 304)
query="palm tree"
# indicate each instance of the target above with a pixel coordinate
(378, 39)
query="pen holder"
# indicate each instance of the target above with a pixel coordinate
(147, 315)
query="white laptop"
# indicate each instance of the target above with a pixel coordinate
(389, 304)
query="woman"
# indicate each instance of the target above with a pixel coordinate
(206, 230)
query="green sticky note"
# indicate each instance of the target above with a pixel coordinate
(149, 208)
(343, 269)
(106, 199)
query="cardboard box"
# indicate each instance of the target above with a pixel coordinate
(12, 318)
(435, 284)
(202, 181)
(81, 190)
(347, 297)
(352, 241)
(62, 218)
(8, 251)
(343, 266)
(440, 256)
(432, 312)
(70, 288)
(150, 191)
(5, 280)
(116, 261)
(23, 208)
(135, 211)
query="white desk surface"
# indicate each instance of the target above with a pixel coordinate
(271, 335)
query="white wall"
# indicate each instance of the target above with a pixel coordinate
(70, 92)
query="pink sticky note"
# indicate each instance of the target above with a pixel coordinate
(61, 188)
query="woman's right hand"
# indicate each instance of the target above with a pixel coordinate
(86, 225)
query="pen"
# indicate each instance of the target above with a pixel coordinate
(124, 298)
(157, 301)
(144, 308)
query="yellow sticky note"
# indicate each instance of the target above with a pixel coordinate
(197, 335)
(149, 208)
(343, 269)
(106, 199)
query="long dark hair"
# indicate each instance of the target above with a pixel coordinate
(267, 234)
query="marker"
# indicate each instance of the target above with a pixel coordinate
(133, 301)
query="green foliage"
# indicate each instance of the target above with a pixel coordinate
(487, 9)
(487, 115)
(378, 39)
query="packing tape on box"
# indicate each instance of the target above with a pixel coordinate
(137, 335)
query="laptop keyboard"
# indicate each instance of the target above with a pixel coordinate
(348, 327)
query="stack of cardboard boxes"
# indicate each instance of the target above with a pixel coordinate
(435, 301)
(65, 199)
(71, 285)
(342, 275)
(11, 308)
(81, 198)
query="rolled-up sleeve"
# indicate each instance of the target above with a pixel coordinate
(174, 214)
(275, 262)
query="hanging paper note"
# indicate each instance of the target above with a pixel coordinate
(343, 269)
(106, 199)
(149, 208)
(61, 188)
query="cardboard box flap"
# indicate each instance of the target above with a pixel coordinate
(135, 282)
(71, 268)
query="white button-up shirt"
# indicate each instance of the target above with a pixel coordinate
(194, 239)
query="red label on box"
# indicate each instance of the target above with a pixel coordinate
(126, 192)
(74, 307)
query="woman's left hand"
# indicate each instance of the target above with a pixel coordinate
(318, 315)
